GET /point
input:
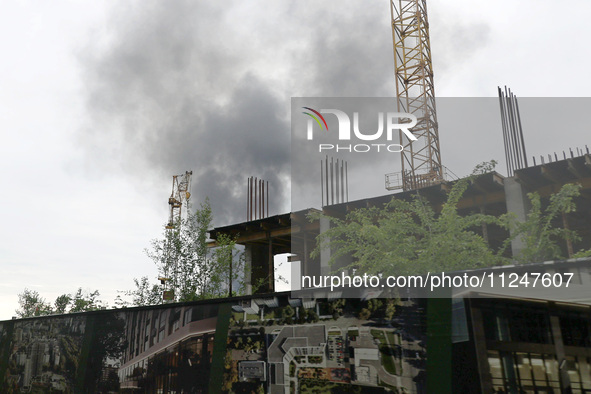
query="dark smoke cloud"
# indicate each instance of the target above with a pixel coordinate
(455, 41)
(206, 86)
(352, 52)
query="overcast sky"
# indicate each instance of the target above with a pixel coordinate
(102, 102)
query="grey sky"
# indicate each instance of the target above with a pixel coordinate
(101, 103)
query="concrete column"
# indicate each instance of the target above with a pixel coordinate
(325, 252)
(484, 226)
(585, 275)
(560, 355)
(248, 269)
(518, 203)
(271, 265)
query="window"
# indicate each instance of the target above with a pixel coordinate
(517, 325)
(496, 370)
(575, 330)
(523, 372)
(175, 321)
(187, 318)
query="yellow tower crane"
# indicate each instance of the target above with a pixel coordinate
(415, 94)
(180, 195)
(181, 186)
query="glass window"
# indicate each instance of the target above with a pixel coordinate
(572, 368)
(459, 324)
(585, 369)
(175, 321)
(188, 313)
(538, 369)
(575, 330)
(525, 371)
(496, 370)
(552, 371)
(527, 325)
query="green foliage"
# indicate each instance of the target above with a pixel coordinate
(337, 306)
(287, 311)
(32, 304)
(409, 237)
(374, 305)
(484, 167)
(540, 238)
(262, 284)
(582, 253)
(226, 268)
(390, 309)
(364, 314)
(144, 294)
(387, 359)
(192, 270)
(61, 303)
(313, 316)
(82, 302)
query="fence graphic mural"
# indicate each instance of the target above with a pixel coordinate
(319, 343)
(265, 344)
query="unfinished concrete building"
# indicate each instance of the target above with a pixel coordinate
(491, 193)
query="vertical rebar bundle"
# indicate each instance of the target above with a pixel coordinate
(515, 155)
(257, 199)
(334, 181)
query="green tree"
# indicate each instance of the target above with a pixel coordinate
(364, 314)
(287, 311)
(228, 263)
(61, 303)
(303, 315)
(145, 293)
(313, 316)
(409, 237)
(374, 305)
(337, 306)
(238, 343)
(85, 301)
(390, 309)
(540, 238)
(192, 270)
(32, 304)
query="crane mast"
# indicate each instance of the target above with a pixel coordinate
(180, 195)
(415, 94)
(181, 184)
